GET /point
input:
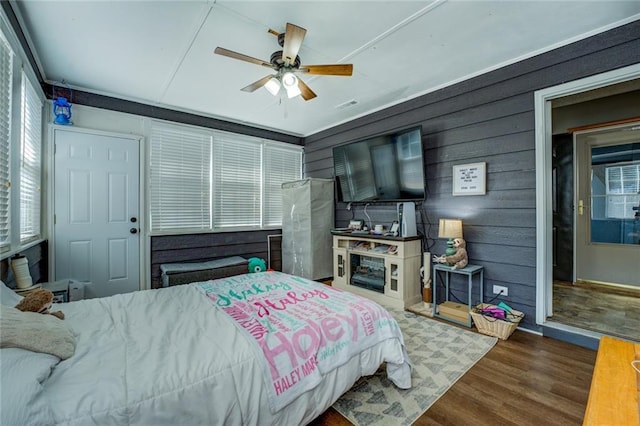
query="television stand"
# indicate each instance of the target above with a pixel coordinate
(382, 268)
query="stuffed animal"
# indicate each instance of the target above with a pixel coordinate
(458, 260)
(39, 301)
(257, 265)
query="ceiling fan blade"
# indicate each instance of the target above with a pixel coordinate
(337, 69)
(305, 91)
(256, 85)
(235, 55)
(293, 37)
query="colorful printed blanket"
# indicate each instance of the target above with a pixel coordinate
(301, 329)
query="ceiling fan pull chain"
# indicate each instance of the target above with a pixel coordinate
(286, 109)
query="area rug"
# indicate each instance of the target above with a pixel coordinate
(440, 353)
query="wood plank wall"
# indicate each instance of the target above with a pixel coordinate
(38, 265)
(204, 247)
(275, 262)
(487, 118)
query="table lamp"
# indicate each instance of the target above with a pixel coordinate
(450, 228)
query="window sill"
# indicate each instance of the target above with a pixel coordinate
(11, 252)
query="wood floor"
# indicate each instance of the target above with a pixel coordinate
(605, 309)
(525, 380)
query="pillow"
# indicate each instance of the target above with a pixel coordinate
(22, 374)
(8, 297)
(35, 332)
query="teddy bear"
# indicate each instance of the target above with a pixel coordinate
(39, 301)
(458, 260)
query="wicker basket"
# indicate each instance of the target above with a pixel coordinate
(496, 327)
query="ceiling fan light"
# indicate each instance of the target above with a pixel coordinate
(273, 86)
(289, 80)
(293, 91)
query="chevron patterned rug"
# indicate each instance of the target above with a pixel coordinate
(441, 354)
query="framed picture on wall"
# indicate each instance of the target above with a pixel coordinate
(470, 179)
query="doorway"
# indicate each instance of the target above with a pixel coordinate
(546, 181)
(96, 228)
(607, 215)
(602, 292)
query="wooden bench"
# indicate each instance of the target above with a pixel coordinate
(614, 396)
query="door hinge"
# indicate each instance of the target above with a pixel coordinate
(54, 219)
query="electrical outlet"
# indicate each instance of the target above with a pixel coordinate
(498, 288)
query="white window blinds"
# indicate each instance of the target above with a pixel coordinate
(280, 165)
(237, 173)
(205, 180)
(6, 66)
(180, 178)
(623, 190)
(30, 163)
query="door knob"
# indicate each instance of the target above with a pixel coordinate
(133, 230)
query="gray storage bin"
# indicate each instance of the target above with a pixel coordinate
(184, 273)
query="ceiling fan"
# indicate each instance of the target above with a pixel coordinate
(286, 63)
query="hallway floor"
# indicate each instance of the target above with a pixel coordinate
(600, 308)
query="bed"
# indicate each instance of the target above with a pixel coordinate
(263, 348)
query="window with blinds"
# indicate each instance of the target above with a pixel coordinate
(203, 180)
(237, 181)
(30, 163)
(280, 165)
(6, 75)
(21, 102)
(623, 190)
(180, 178)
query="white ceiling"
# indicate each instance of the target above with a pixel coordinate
(161, 52)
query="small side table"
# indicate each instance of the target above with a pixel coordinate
(60, 290)
(470, 271)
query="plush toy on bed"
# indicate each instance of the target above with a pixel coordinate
(39, 301)
(458, 260)
(257, 265)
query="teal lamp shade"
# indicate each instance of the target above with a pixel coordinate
(450, 228)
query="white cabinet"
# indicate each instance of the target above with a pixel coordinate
(383, 269)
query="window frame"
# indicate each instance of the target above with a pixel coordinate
(218, 139)
(191, 136)
(30, 172)
(621, 201)
(21, 71)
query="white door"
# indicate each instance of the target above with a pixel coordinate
(96, 207)
(608, 205)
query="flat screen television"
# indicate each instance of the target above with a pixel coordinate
(388, 167)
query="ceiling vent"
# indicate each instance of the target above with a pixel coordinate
(347, 104)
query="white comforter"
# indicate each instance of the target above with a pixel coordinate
(151, 358)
